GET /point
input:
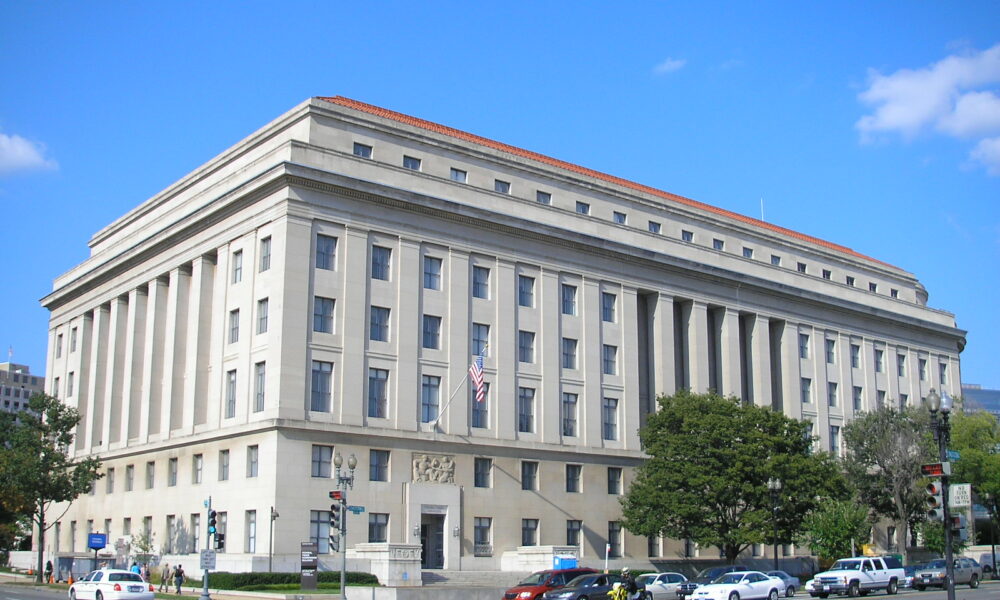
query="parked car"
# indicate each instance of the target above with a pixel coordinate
(584, 587)
(706, 576)
(791, 584)
(986, 562)
(661, 586)
(739, 585)
(966, 570)
(533, 586)
(858, 575)
(111, 584)
(909, 571)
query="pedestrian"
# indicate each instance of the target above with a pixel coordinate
(48, 572)
(145, 572)
(178, 577)
(135, 568)
(165, 578)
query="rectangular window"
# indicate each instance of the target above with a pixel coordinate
(827, 274)
(378, 329)
(265, 254)
(855, 356)
(529, 532)
(803, 345)
(412, 163)
(835, 440)
(893, 293)
(378, 385)
(381, 261)
(831, 352)
(776, 260)
(831, 393)
(943, 373)
(362, 150)
(322, 457)
(806, 390)
(480, 338)
(109, 479)
(568, 299)
(614, 539)
(230, 394)
(480, 410)
(483, 472)
(609, 360)
(483, 536)
(901, 365)
(609, 418)
(322, 386)
(801, 267)
(526, 346)
(197, 468)
(430, 398)
(224, 465)
(262, 308)
(129, 478)
(872, 287)
(850, 281)
(525, 409)
(251, 531)
(879, 360)
(378, 527)
(573, 529)
(326, 252)
(319, 530)
(59, 339)
(172, 472)
(687, 236)
(619, 217)
(252, 461)
(608, 301)
(856, 397)
(880, 398)
(480, 282)
(72, 342)
(259, 385)
(583, 208)
(529, 475)
(569, 406)
(237, 266)
(718, 244)
(568, 353)
(543, 197)
(323, 314)
(615, 481)
(922, 368)
(378, 465)
(69, 384)
(747, 252)
(234, 326)
(432, 332)
(904, 400)
(502, 187)
(573, 475)
(432, 273)
(458, 175)
(525, 291)
(654, 227)
(652, 546)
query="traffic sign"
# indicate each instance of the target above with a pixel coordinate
(96, 541)
(356, 509)
(208, 559)
(953, 455)
(960, 495)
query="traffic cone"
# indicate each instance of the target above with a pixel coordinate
(70, 580)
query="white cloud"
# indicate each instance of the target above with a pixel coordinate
(20, 154)
(669, 66)
(988, 152)
(956, 96)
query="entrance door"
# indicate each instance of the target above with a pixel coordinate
(432, 541)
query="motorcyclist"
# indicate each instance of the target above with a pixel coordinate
(628, 582)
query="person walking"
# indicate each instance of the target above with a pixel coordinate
(178, 577)
(165, 578)
(145, 572)
(135, 569)
(48, 572)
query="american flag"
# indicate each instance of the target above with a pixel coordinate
(476, 373)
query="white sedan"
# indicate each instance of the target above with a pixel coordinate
(739, 585)
(111, 584)
(661, 586)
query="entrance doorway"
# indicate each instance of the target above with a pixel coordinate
(431, 541)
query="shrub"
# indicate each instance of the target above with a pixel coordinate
(223, 580)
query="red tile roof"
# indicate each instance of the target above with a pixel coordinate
(554, 162)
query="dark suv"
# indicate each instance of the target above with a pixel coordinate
(706, 576)
(533, 586)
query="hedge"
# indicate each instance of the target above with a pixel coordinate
(222, 580)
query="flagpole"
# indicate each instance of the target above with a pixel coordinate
(457, 388)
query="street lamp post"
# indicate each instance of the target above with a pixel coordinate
(344, 482)
(942, 434)
(774, 486)
(270, 540)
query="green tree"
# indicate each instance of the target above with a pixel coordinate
(35, 464)
(976, 436)
(932, 533)
(885, 449)
(706, 477)
(837, 528)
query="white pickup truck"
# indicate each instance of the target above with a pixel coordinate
(858, 576)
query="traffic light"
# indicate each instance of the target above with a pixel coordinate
(958, 527)
(220, 541)
(211, 522)
(935, 503)
(335, 528)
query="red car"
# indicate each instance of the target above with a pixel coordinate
(536, 584)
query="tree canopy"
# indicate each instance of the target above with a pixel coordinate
(976, 436)
(35, 467)
(710, 459)
(837, 528)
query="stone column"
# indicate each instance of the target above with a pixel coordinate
(664, 351)
(760, 360)
(151, 383)
(698, 355)
(99, 343)
(729, 349)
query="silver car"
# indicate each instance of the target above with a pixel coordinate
(967, 571)
(791, 583)
(661, 586)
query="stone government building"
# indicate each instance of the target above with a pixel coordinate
(322, 287)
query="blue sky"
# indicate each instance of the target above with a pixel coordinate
(874, 125)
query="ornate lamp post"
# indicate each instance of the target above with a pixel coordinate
(344, 482)
(942, 434)
(774, 486)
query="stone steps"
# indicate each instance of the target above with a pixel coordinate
(492, 579)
